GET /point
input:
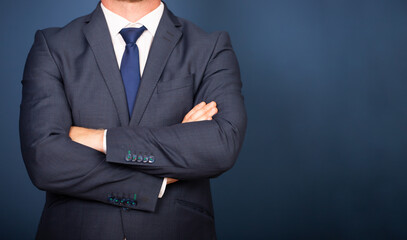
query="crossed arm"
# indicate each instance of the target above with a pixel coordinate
(192, 149)
(93, 138)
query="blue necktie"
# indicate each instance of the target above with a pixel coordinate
(130, 65)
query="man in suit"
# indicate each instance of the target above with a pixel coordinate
(126, 114)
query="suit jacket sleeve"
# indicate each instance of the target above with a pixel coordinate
(57, 164)
(197, 149)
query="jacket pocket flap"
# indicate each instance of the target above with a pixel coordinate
(173, 84)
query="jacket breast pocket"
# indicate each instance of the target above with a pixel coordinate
(170, 102)
(174, 84)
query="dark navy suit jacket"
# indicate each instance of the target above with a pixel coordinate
(71, 78)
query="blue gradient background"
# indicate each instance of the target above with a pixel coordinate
(325, 88)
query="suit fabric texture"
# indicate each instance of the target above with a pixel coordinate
(71, 78)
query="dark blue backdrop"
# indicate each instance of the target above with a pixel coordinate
(325, 87)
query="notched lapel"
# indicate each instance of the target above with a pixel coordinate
(165, 40)
(98, 36)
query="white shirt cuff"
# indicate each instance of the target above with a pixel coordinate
(104, 141)
(163, 186)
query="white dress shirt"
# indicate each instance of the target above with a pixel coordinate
(115, 23)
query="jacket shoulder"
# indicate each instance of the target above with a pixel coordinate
(69, 31)
(201, 40)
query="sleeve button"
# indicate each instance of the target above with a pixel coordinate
(128, 157)
(145, 160)
(151, 159)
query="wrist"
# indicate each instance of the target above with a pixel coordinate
(98, 136)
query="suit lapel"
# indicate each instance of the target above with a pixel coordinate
(165, 40)
(98, 36)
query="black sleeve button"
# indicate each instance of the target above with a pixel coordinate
(128, 157)
(134, 158)
(145, 159)
(139, 158)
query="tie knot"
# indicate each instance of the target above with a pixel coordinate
(130, 35)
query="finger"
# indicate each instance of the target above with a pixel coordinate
(209, 114)
(201, 112)
(212, 112)
(171, 180)
(195, 109)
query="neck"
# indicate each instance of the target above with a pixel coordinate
(131, 10)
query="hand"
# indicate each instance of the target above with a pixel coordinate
(171, 180)
(200, 112)
(92, 138)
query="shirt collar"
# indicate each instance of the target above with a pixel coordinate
(116, 22)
